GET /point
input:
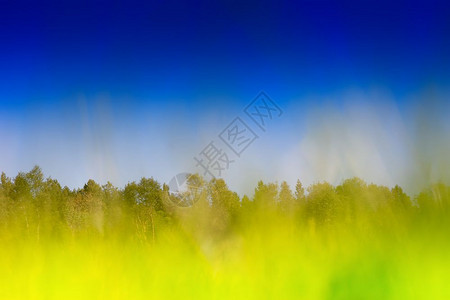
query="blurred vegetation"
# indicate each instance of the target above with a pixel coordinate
(354, 240)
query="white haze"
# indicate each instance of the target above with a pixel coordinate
(371, 135)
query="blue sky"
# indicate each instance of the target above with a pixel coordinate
(115, 91)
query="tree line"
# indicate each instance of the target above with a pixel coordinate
(35, 206)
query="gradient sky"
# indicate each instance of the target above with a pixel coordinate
(115, 91)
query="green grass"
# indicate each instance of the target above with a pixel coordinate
(353, 241)
(277, 260)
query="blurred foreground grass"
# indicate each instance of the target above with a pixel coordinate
(262, 248)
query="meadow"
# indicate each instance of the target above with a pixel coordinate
(351, 241)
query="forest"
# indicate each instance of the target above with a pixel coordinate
(350, 240)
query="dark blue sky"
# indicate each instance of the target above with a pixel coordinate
(202, 58)
(54, 49)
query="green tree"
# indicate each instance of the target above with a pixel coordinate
(225, 204)
(323, 205)
(286, 199)
(266, 195)
(300, 193)
(146, 203)
(6, 185)
(246, 203)
(353, 196)
(85, 208)
(35, 179)
(222, 198)
(400, 199)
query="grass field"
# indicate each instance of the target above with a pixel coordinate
(341, 248)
